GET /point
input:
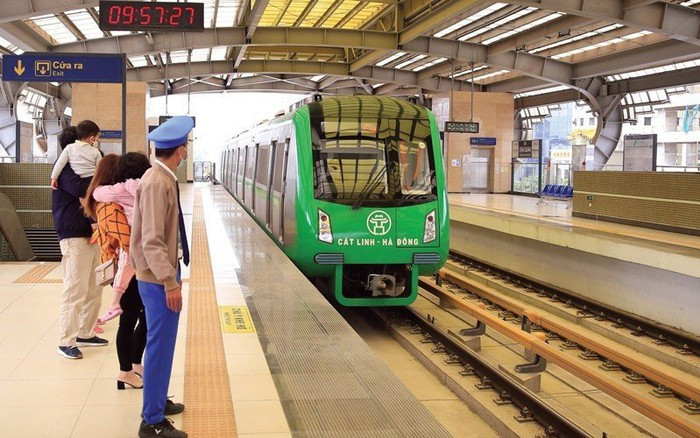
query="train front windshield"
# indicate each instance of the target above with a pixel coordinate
(372, 160)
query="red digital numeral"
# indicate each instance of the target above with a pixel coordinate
(145, 13)
(175, 16)
(190, 10)
(128, 15)
(161, 17)
(114, 14)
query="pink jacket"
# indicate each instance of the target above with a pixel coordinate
(121, 193)
(125, 272)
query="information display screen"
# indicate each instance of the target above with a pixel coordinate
(151, 16)
(463, 127)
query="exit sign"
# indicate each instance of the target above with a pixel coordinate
(463, 127)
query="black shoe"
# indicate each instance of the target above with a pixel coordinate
(70, 352)
(92, 342)
(164, 429)
(172, 408)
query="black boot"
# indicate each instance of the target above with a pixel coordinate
(164, 429)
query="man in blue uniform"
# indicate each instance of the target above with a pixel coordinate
(158, 242)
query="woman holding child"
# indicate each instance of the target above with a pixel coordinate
(109, 200)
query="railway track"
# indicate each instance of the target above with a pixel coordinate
(660, 392)
(523, 406)
(684, 343)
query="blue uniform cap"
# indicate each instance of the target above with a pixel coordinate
(172, 133)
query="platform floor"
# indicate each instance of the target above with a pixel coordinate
(557, 213)
(552, 222)
(648, 273)
(299, 368)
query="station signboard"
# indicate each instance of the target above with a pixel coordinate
(482, 141)
(63, 67)
(639, 154)
(462, 127)
(526, 149)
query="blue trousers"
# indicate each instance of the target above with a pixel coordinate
(162, 324)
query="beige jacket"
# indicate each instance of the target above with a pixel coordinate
(154, 229)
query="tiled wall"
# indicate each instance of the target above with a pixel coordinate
(494, 112)
(661, 200)
(102, 103)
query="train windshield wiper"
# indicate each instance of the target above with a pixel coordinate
(371, 186)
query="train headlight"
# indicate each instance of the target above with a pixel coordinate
(324, 228)
(429, 229)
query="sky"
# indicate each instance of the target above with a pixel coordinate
(220, 116)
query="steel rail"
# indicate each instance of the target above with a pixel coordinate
(665, 416)
(679, 381)
(638, 325)
(552, 421)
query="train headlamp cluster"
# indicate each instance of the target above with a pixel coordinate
(429, 233)
(324, 227)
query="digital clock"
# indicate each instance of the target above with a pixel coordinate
(151, 16)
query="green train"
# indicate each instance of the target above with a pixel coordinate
(352, 189)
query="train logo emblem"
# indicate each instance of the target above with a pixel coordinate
(378, 223)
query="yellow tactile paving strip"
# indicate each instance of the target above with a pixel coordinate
(208, 399)
(37, 274)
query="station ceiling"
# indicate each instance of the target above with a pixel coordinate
(545, 51)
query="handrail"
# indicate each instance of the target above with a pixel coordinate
(663, 415)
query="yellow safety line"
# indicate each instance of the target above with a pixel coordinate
(209, 411)
(37, 274)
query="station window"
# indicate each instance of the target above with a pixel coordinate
(591, 121)
(647, 121)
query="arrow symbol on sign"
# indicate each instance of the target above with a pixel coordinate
(19, 69)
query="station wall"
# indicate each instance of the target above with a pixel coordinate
(102, 103)
(494, 112)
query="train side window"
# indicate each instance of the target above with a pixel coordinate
(279, 166)
(241, 163)
(263, 164)
(250, 162)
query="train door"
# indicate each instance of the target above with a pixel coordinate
(222, 159)
(279, 178)
(234, 170)
(262, 169)
(241, 171)
(270, 173)
(251, 165)
(227, 167)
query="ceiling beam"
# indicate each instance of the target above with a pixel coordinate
(452, 10)
(679, 78)
(517, 85)
(327, 14)
(252, 21)
(306, 68)
(549, 30)
(138, 44)
(675, 21)
(22, 10)
(654, 55)
(23, 37)
(547, 99)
